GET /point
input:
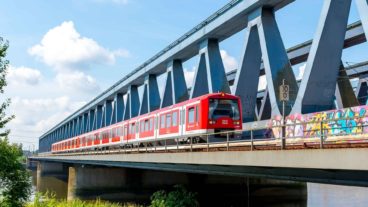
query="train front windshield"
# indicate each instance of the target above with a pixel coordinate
(220, 108)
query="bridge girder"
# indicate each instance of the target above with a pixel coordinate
(263, 49)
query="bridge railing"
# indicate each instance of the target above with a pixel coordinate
(325, 133)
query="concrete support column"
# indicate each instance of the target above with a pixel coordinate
(132, 103)
(151, 96)
(318, 85)
(52, 177)
(90, 182)
(210, 75)
(176, 89)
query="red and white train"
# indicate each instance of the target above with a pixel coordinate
(206, 114)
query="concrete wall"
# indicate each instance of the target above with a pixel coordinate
(52, 177)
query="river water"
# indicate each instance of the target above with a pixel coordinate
(259, 192)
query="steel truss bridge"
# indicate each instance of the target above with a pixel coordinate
(324, 86)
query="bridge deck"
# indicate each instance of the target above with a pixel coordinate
(345, 166)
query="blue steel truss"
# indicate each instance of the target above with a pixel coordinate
(263, 54)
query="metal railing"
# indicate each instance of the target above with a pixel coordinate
(317, 134)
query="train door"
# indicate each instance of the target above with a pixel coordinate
(115, 134)
(84, 141)
(192, 117)
(132, 130)
(126, 132)
(78, 142)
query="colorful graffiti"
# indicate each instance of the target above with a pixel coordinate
(348, 121)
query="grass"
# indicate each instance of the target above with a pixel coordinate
(51, 201)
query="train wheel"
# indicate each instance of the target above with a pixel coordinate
(195, 140)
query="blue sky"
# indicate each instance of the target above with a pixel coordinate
(108, 39)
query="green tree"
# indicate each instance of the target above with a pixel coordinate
(14, 178)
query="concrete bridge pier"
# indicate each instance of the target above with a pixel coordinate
(118, 184)
(88, 182)
(52, 177)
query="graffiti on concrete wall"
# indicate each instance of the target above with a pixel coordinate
(348, 121)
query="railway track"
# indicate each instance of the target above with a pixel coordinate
(351, 141)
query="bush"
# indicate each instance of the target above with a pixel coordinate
(179, 197)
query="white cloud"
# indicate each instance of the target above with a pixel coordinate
(301, 72)
(63, 48)
(23, 76)
(77, 81)
(35, 116)
(189, 76)
(262, 84)
(230, 62)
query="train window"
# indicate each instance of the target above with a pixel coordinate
(168, 120)
(146, 125)
(120, 131)
(125, 130)
(132, 128)
(182, 116)
(219, 108)
(175, 118)
(191, 115)
(151, 124)
(141, 129)
(162, 118)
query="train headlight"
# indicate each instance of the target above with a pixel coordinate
(212, 122)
